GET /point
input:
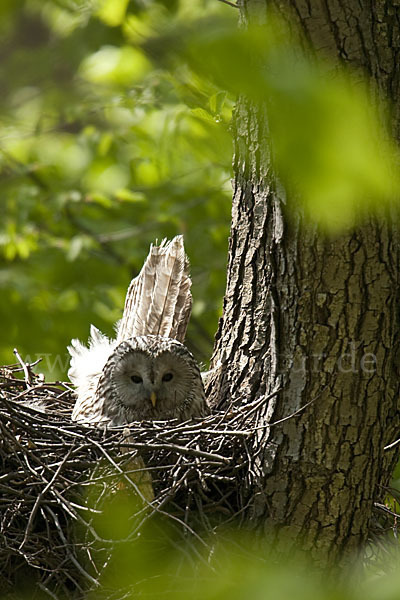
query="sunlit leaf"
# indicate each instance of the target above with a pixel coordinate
(113, 65)
(77, 245)
(112, 12)
(146, 173)
(128, 196)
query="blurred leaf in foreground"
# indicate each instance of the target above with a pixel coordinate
(160, 560)
(328, 137)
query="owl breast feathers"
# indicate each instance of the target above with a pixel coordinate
(146, 373)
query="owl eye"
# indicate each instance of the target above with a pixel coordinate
(167, 377)
(136, 379)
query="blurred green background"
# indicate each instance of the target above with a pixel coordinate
(115, 132)
(101, 153)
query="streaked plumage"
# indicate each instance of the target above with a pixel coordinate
(146, 372)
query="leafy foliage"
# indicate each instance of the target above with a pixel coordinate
(115, 132)
(330, 142)
(102, 153)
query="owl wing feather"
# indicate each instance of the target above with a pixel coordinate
(159, 301)
(86, 366)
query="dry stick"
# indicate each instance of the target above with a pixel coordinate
(77, 517)
(199, 473)
(296, 412)
(30, 389)
(189, 451)
(10, 383)
(42, 387)
(68, 388)
(16, 369)
(248, 432)
(392, 445)
(163, 500)
(64, 393)
(230, 3)
(88, 552)
(244, 412)
(237, 432)
(40, 498)
(28, 378)
(28, 365)
(157, 509)
(241, 511)
(70, 555)
(47, 591)
(175, 447)
(19, 414)
(128, 479)
(36, 362)
(386, 509)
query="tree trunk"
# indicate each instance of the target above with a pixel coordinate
(314, 316)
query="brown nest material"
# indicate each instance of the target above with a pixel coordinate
(62, 484)
(58, 478)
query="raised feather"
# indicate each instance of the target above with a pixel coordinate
(158, 301)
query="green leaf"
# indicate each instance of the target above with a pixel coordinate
(203, 114)
(112, 12)
(126, 195)
(115, 66)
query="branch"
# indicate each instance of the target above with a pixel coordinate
(229, 3)
(28, 377)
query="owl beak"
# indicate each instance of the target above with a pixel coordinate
(153, 399)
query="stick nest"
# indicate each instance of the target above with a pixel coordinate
(58, 480)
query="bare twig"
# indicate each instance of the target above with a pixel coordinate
(58, 476)
(229, 3)
(40, 498)
(392, 445)
(28, 378)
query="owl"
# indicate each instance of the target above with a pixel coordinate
(146, 373)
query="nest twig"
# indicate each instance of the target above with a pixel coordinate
(57, 478)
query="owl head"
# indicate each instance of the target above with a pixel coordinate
(151, 378)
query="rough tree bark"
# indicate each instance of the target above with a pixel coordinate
(304, 313)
